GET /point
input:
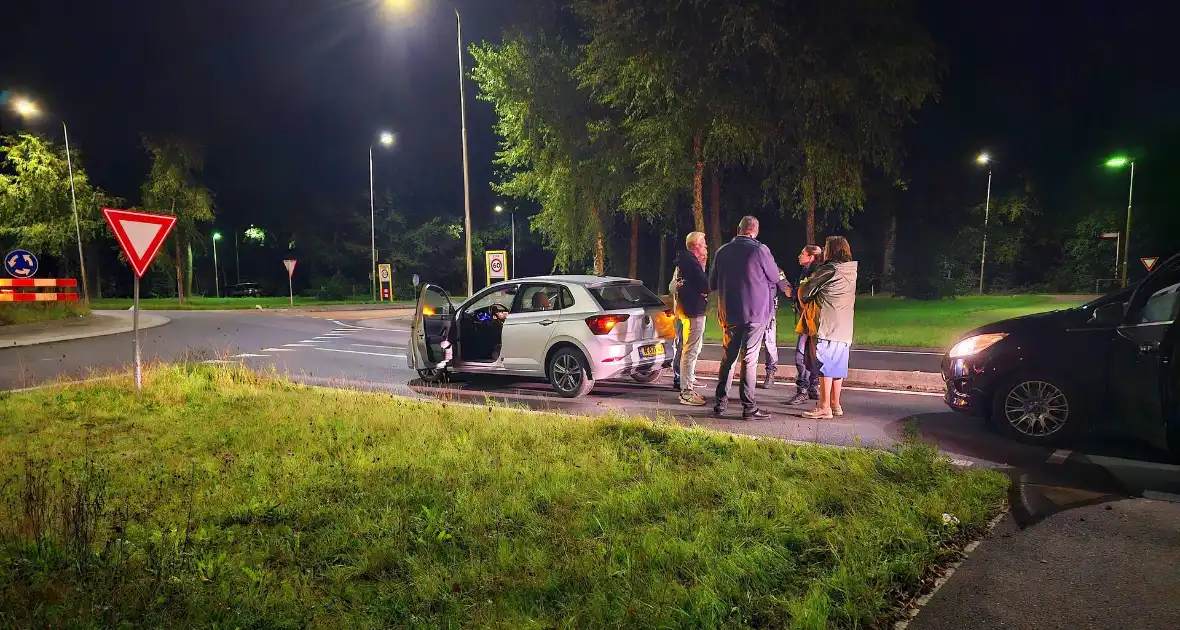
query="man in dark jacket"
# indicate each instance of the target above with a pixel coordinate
(690, 299)
(745, 278)
(806, 378)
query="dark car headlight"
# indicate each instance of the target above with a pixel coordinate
(975, 344)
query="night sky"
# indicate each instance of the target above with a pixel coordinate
(288, 94)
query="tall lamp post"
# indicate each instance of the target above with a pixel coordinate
(27, 109)
(402, 6)
(216, 271)
(386, 139)
(1119, 162)
(986, 160)
(512, 219)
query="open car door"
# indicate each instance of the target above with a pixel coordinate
(430, 351)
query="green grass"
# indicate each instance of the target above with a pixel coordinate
(887, 321)
(210, 304)
(33, 312)
(223, 499)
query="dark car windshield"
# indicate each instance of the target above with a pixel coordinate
(1122, 295)
(613, 297)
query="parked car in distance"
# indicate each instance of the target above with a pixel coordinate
(245, 289)
(1108, 366)
(572, 330)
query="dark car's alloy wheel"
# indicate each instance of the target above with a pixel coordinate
(568, 373)
(1036, 409)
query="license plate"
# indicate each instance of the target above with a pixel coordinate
(647, 352)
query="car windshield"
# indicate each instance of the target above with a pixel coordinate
(613, 297)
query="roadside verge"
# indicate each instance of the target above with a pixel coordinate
(98, 324)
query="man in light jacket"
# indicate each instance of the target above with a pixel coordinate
(744, 276)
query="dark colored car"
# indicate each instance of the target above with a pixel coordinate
(245, 289)
(1109, 366)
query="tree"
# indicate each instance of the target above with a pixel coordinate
(559, 147)
(35, 205)
(172, 187)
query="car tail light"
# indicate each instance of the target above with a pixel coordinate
(602, 324)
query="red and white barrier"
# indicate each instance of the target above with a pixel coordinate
(38, 282)
(7, 294)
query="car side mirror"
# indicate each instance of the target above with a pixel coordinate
(1109, 314)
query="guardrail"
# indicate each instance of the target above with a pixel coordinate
(9, 294)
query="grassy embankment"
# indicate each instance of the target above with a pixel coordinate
(887, 321)
(221, 498)
(13, 313)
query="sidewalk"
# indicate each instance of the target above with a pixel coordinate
(98, 324)
(1104, 565)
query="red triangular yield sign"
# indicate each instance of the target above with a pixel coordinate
(140, 235)
(1149, 262)
(289, 263)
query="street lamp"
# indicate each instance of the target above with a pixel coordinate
(512, 218)
(404, 6)
(216, 272)
(1120, 161)
(985, 160)
(27, 109)
(386, 139)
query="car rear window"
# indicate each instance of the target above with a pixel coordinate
(621, 296)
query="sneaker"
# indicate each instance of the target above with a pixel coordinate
(719, 410)
(818, 414)
(768, 382)
(799, 398)
(813, 395)
(837, 410)
(692, 398)
(755, 414)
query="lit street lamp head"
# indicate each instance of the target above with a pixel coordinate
(217, 236)
(984, 158)
(499, 208)
(25, 108)
(386, 138)
(1118, 161)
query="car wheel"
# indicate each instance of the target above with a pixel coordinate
(432, 375)
(650, 376)
(568, 373)
(1036, 409)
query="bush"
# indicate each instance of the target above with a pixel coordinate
(336, 287)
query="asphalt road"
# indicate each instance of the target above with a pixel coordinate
(372, 355)
(900, 359)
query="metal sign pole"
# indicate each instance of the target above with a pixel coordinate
(291, 288)
(135, 330)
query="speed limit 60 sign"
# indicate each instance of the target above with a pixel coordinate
(497, 263)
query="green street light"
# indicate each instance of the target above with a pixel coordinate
(1120, 161)
(216, 271)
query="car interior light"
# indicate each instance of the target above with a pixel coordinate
(975, 344)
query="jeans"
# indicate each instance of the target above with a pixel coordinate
(677, 351)
(690, 349)
(770, 341)
(806, 379)
(742, 342)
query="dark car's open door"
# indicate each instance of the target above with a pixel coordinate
(430, 349)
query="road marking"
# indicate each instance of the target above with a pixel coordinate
(356, 328)
(1058, 456)
(297, 345)
(862, 389)
(369, 345)
(314, 341)
(247, 355)
(277, 350)
(375, 354)
(329, 336)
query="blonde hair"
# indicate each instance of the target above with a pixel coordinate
(813, 250)
(693, 237)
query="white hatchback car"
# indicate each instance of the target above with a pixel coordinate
(573, 330)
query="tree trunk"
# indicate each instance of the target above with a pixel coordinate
(179, 271)
(715, 209)
(890, 245)
(810, 209)
(698, 184)
(662, 285)
(188, 280)
(599, 244)
(633, 269)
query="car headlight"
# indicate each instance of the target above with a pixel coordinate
(975, 345)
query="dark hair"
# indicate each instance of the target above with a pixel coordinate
(836, 249)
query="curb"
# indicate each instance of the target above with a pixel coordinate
(121, 324)
(929, 382)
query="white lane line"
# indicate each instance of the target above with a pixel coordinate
(374, 354)
(340, 323)
(247, 355)
(1059, 456)
(329, 336)
(277, 350)
(369, 345)
(359, 328)
(861, 389)
(297, 345)
(314, 341)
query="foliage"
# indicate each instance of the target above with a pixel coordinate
(36, 212)
(29, 313)
(172, 187)
(219, 498)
